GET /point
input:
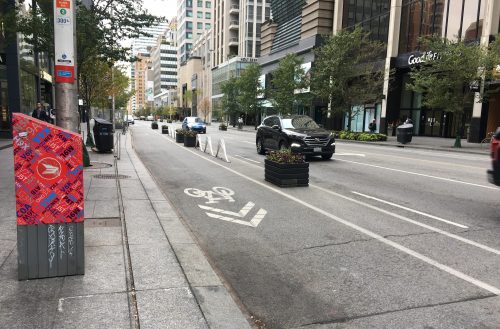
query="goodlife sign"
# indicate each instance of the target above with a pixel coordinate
(63, 39)
(422, 58)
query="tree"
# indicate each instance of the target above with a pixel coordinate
(204, 108)
(444, 78)
(250, 89)
(229, 102)
(187, 100)
(288, 80)
(346, 72)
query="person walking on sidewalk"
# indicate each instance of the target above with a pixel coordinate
(240, 123)
(372, 126)
(40, 113)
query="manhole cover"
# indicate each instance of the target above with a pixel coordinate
(111, 176)
(98, 165)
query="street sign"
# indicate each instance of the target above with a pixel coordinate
(63, 41)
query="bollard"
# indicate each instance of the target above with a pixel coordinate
(48, 169)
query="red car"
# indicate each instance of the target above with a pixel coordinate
(494, 173)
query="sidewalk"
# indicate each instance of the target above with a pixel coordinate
(418, 142)
(142, 267)
(5, 143)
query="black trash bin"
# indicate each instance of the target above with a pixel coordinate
(404, 133)
(103, 135)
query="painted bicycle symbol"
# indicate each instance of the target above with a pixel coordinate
(214, 196)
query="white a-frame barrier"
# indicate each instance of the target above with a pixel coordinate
(206, 145)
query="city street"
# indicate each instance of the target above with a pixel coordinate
(383, 237)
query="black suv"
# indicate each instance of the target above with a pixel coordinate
(298, 132)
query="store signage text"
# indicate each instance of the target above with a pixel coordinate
(422, 58)
(63, 41)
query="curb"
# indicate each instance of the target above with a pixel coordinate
(421, 147)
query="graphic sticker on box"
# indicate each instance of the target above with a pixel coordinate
(48, 173)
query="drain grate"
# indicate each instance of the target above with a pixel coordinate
(111, 176)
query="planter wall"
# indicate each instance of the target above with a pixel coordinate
(179, 138)
(154, 125)
(164, 129)
(287, 175)
(190, 141)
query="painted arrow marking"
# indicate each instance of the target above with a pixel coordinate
(219, 214)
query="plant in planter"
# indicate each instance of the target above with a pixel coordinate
(154, 125)
(164, 129)
(179, 135)
(222, 126)
(286, 169)
(190, 138)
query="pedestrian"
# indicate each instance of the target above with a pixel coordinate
(40, 113)
(240, 122)
(372, 126)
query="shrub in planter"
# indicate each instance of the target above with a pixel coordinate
(190, 138)
(222, 126)
(154, 125)
(179, 135)
(286, 169)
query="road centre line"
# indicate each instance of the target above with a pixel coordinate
(409, 209)
(422, 175)
(406, 219)
(445, 268)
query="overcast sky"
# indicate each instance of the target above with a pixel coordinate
(165, 8)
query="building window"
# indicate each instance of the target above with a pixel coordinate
(200, 3)
(208, 15)
(189, 13)
(199, 26)
(189, 35)
(208, 26)
(189, 3)
(208, 4)
(189, 25)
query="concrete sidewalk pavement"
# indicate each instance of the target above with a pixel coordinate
(143, 268)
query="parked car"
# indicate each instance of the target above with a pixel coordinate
(142, 117)
(150, 118)
(494, 173)
(129, 119)
(194, 124)
(298, 132)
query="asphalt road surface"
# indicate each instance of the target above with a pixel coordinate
(382, 238)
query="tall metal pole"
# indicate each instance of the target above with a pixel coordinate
(66, 90)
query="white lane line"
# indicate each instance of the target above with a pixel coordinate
(406, 219)
(353, 154)
(239, 156)
(445, 268)
(422, 175)
(409, 209)
(249, 142)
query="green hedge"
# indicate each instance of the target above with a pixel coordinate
(360, 136)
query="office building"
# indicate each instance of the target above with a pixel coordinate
(193, 17)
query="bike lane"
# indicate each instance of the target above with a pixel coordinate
(291, 266)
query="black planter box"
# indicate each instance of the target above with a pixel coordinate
(164, 129)
(287, 175)
(222, 128)
(154, 125)
(179, 138)
(190, 141)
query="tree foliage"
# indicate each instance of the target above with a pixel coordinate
(349, 70)
(229, 101)
(204, 108)
(444, 80)
(249, 90)
(289, 79)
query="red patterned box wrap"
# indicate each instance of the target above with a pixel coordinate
(48, 170)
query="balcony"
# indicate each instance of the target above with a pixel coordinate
(233, 42)
(234, 25)
(234, 9)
